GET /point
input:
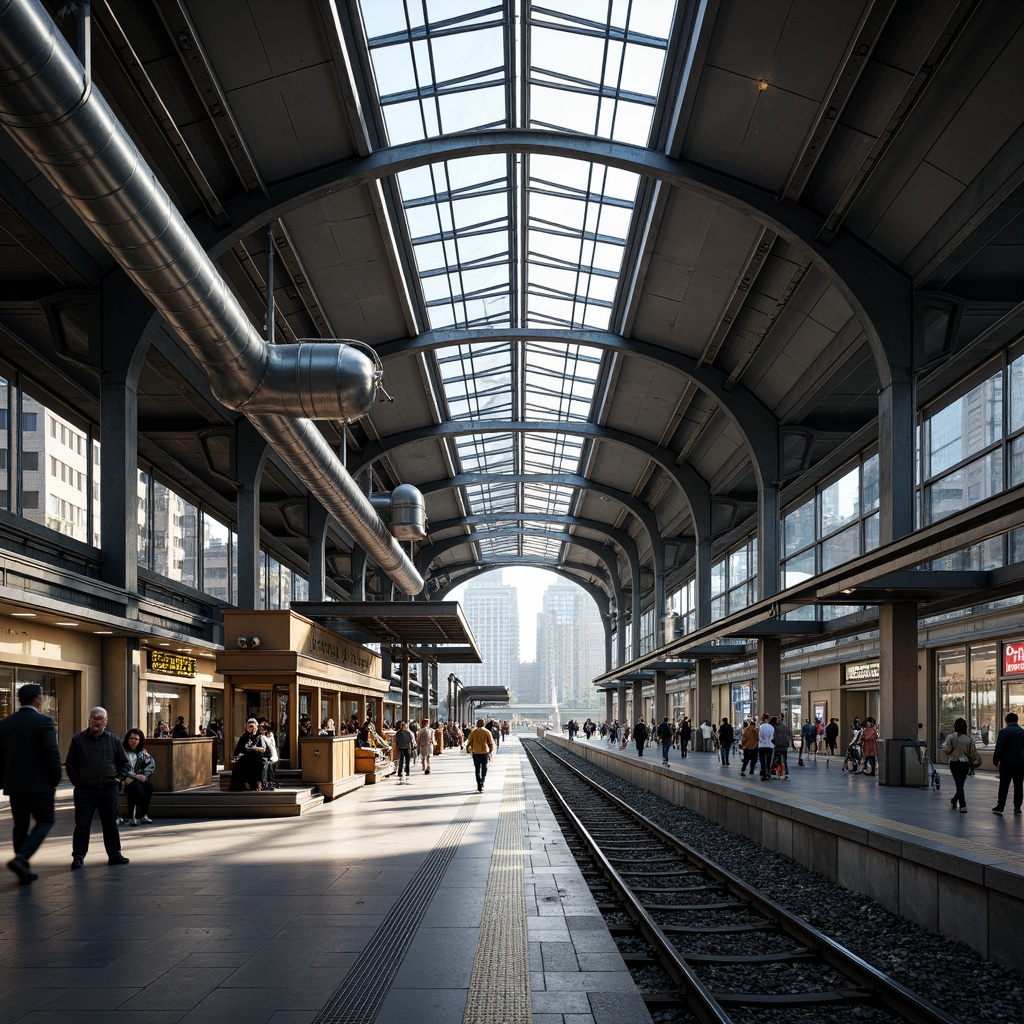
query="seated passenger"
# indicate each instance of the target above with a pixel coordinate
(162, 731)
(138, 789)
(249, 759)
(180, 730)
(273, 755)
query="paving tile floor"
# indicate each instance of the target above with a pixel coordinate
(217, 922)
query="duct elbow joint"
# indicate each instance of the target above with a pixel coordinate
(404, 511)
(318, 381)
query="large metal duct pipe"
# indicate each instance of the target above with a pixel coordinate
(71, 134)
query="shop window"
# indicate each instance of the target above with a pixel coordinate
(983, 721)
(1013, 698)
(951, 689)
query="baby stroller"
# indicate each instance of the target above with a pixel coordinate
(853, 763)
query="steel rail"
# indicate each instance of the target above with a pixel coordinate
(897, 998)
(705, 1007)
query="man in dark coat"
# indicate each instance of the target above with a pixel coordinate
(1008, 757)
(640, 737)
(30, 772)
(96, 765)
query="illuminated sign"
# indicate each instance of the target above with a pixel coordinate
(1013, 659)
(172, 664)
(862, 672)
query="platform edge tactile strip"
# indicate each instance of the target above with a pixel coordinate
(499, 989)
(359, 997)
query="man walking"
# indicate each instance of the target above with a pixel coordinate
(665, 731)
(481, 745)
(640, 737)
(30, 772)
(96, 765)
(1008, 757)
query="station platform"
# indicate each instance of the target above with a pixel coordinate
(426, 902)
(956, 874)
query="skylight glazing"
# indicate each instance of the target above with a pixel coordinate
(519, 242)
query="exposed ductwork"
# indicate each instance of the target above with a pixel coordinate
(71, 134)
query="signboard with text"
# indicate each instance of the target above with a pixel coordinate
(1013, 659)
(172, 664)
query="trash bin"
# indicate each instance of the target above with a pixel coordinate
(902, 762)
(915, 764)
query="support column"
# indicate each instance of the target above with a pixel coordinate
(702, 695)
(294, 750)
(119, 684)
(898, 651)
(660, 695)
(251, 453)
(769, 677)
(609, 705)
(317, 520)
(405, 685)
(123, 342)
(638, 701)
(896, 430)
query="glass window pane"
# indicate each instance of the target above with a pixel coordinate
(840, 502)
(869, 497)
(798, 570)
(1017, 394)
(97, 511)
(216, 559)
(142, 496)
(964, 487)
(718, 575)
(798, 527)
(983, 722)
(54, 479)
(739, 567)
(951, 670)
(840, 547)
(965, 427)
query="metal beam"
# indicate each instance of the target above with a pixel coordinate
(876, 291)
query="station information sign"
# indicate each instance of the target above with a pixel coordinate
(172, 664)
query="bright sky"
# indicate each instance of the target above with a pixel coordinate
(530, 585)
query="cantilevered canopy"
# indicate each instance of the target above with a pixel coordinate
(436, 632)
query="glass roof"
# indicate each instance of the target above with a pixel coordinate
(518, 241)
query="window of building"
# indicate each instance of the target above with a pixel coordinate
(218, 559)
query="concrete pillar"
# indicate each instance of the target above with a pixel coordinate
(405, 686)
(660, 695)
(622, 715)
(896, 430)
(769, 677)
(120, 685)
(609, 705)
(702, 695)
(897, 697)
(638, 701)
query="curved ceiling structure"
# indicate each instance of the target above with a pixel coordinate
(639, 274)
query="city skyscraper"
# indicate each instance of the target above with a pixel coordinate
(492, 610)
(570, 646)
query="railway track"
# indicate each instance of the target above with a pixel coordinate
(735, 956)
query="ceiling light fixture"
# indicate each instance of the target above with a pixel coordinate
(67, 623)
(23, 615)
